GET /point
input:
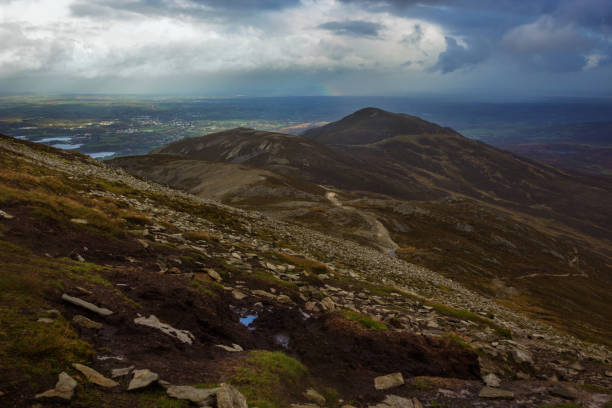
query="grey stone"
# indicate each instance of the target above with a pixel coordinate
(95, 377)
(79, 221)
(491, 380)
(142, 379)
(522, 356)
(388, 381)
(393, 401)
(229, 397)
(313, 396)
(86, 305)
(214, 275)
(238, 295)
(45, 320)
(64, 389)
(495, 393)
(152, 321)
(234, 348)
(86, 323)
(284, 299)
(120, 372)
(564, 392)
(328, 304)
(5, 215)
(198, 396)
(608, 373)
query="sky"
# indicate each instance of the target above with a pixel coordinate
(465, 48)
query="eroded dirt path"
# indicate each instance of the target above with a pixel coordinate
(379, 231)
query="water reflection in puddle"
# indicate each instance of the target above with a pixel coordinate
(282, 340)
(247, 320)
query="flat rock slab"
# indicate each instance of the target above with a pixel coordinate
(95, 377)
(229, 397)
(495, 393)
(198, 396)
(153, 322)
(64, 389)
(388, 381)
(86, 305)
(142, 379)
(393, 401)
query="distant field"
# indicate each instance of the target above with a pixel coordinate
(106, 126)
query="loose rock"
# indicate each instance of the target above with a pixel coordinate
(64, 389)
(238, 295)
(198, 396)
(86, 305)
(495, 393)
(214, 275)
(120, 372)
(313, 396)
(95, 377)
(86, 323)
(6, 216)
(491, 380)
(152, 321)
(229, 397)
(234, 348)
(564, 392)
(142, 379)
(388, 381)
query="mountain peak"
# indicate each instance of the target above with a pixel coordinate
(370, 125)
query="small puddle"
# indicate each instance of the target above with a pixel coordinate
(247, 320)
(282, 340)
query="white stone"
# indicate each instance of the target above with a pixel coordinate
(152, 321)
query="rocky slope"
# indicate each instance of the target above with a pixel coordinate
(106, 275)
(532, 236)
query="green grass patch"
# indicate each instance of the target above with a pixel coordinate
(364, 320)
(269, 379)
(595, 389)
(467, 315)
(458, 340)
(159, 399)
(308, 265)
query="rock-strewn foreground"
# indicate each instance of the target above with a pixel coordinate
(115, 292)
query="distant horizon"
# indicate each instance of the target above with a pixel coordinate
(424, 96)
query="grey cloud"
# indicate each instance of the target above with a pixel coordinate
(356, 28)
(415, 37)
(185, 8)
(457, 57)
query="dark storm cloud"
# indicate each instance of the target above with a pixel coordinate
(458, 57)
(355, 28)
(548, 35)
